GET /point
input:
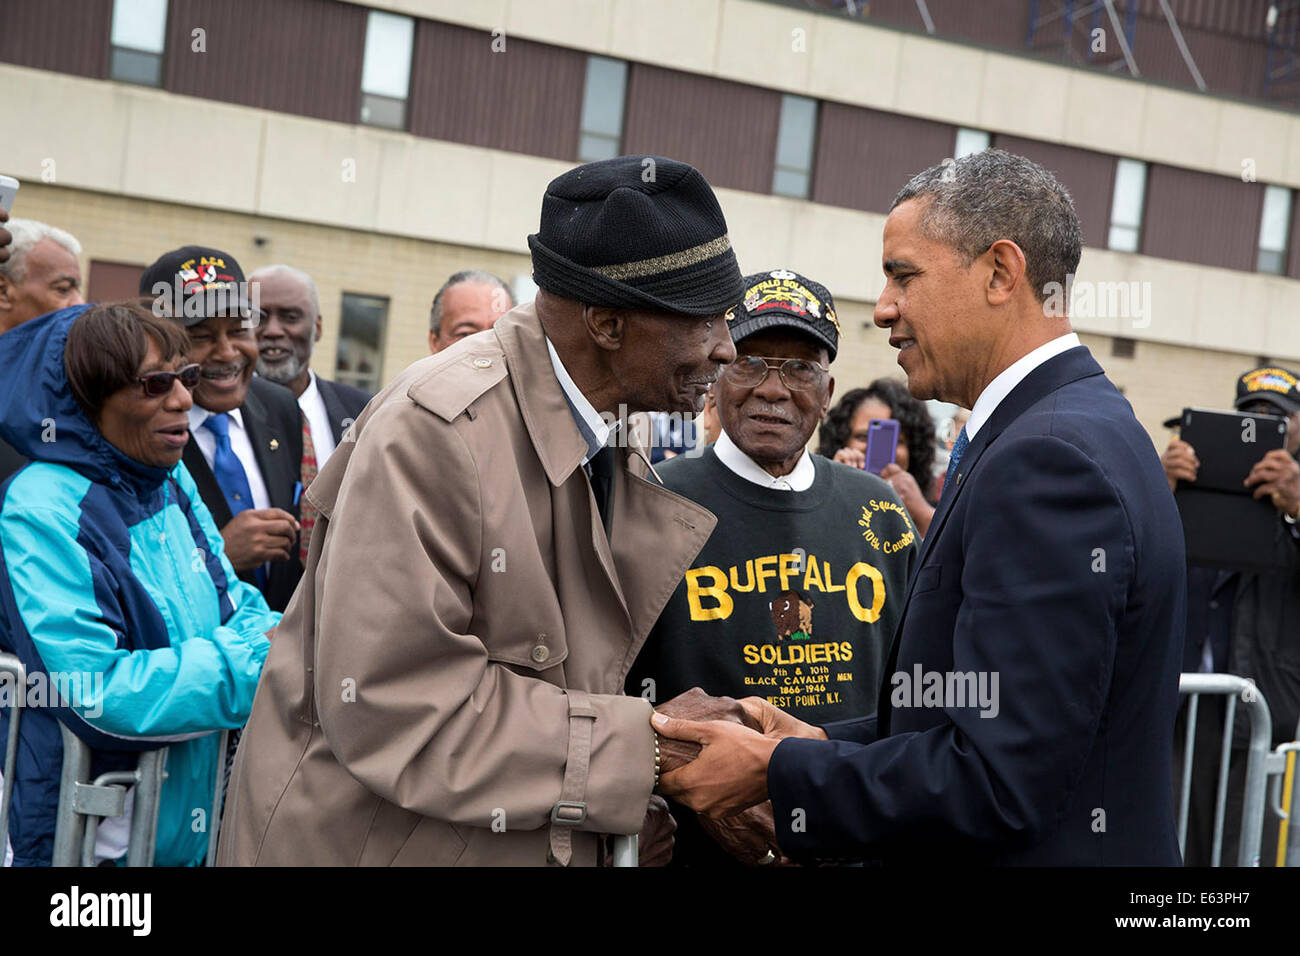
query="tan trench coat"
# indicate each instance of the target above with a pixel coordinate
(451, 666)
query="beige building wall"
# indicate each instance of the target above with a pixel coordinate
(380, 183)
(406, 271)
(1159, 381)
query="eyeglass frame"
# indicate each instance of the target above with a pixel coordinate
(171, 377)
(780, 370)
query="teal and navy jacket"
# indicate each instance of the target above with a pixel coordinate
(114, 590)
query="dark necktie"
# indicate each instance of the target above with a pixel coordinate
(954, 458)
(231, 477)
(601, 470)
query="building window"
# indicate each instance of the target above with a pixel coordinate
(794, 147)
(386, 70)
(1126, 209)
(602, 110)
(361, 341)
(111, 281)
(970, 141)
(138, 36)
(1123, 348)
(1273, 229)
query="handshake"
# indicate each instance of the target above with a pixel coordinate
(714, 753)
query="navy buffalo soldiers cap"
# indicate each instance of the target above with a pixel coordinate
(785, 299)
(194, 283)
(1277, 386)
(636, 232)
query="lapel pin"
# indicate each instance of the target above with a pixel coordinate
(275, 443)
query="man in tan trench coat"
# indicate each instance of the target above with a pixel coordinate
(445, 686)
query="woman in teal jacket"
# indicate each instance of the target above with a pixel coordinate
(114, 587)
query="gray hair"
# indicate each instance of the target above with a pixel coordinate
(992, 195)
(300, 276)
(468, 275)
(27, 233)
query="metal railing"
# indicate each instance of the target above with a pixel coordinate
(13, 668)
(626, 850)
(1261, 765)
(83, 803)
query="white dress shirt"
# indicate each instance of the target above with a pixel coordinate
(800, 477)
(1013, 375)
(312, 404)
(240, 444)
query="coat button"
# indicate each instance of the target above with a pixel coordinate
(482, 363)
(540, 653)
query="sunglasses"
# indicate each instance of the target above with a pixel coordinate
(158, 384)
(751, 371)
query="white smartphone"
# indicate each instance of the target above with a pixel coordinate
(8, 190)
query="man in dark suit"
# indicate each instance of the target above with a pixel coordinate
(245, 447)
(290, 328)
(1030, 691)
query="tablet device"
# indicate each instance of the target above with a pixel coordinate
(1223, 525)
(1229, 444)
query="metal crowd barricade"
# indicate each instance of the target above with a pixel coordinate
(11, 667)
(1260, 763)
(626, 850)
(83, 803)
(1288, 851)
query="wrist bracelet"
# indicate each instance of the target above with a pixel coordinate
(656, 736)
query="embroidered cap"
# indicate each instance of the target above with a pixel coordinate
(785, 299)
(1277, 386)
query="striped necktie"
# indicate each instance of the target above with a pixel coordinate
(306, 513)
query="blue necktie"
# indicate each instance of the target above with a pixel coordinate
(230, 475)
(954, 458)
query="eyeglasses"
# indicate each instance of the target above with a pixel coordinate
(158, 384)
(798, 375)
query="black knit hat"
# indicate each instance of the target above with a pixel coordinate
(636, 232)
(785, 299)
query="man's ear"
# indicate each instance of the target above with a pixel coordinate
(319, 328)
(433, 342)
(6, 293)
(606, 326)
(1007, 263)
(830, 390)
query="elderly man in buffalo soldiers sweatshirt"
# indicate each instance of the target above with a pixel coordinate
(796, 594)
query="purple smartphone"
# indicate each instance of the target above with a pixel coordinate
(882, 444)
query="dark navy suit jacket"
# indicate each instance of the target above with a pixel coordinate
(343, 404)
(1055, 560)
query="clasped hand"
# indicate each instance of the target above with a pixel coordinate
(729, 774)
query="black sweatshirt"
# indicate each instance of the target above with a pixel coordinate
(795, 596)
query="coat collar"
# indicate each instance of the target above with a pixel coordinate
(555, 436)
